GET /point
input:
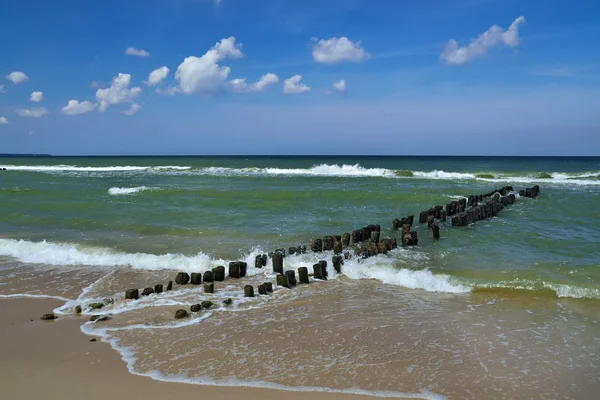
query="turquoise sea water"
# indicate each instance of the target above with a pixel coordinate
(224, 207)
(504, 308)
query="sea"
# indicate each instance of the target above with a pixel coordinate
(505, 308)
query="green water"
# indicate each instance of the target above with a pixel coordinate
(226, 207)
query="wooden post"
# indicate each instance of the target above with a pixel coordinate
(132, 294)
(337, 262)
(209, 287)
(158, 288)
(346, 239)
(182, 278)
(282, 280)
(303, 275)
(324, 268)
(277, 263)
(269, 286)
(262, 289)
(436, 231)
(234, 270)
(169, 286)
(316, 245)
(337, 248)
(208, 276)
(196, 278)
(318, 272)
(291, 275)
(248, 291)
(219, 273)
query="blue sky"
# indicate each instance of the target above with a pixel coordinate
(481, 77)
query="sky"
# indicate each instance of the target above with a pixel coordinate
(311, 77)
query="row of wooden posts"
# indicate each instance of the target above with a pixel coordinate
(463, 212)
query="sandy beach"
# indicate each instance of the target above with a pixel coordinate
(54, 360)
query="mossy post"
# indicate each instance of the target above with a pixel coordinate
(158, 288)
(147, 291)
(324, 268)
(132, 294)
(303, 275)
(277, 261)
(337, 262)
(328, 243)
(435, 228)
(269, 287)
(262, 290)
(248, 291)
(346, 239)
(375, 237)
(169, 286)
(209, 287)
(258, 261)
(234, 270)
(182, 278)
(318, 272)
(291, 275)
(337, 248)
(243, 268)
(196, 278)
(316, 245)
(282, 280)
(208, 276)
(219, 273)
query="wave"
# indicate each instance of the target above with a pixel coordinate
(330, 170)
(116, 191)
(75, 168)
(384, 268)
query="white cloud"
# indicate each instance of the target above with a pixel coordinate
(203, 74)
(135, 107)
(294, 86)
(340, 86)
(118, 92)
(96, 84)
(132, 51)
(455, 55)
(17, 77)
(74, 107)
(33, 112)
(336, 50)
(155, 77)
(36, 97)
(240, 86)
(1, 89)
(3, 121)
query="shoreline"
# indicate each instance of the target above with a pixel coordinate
(55, 360)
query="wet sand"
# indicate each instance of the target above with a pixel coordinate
(54, 360)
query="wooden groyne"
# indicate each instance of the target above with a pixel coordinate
(362, 243)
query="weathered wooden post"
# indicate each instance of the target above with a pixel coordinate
(337, 262)
(180, 314)
(243, 268)
(147, 291)
(291, 275)
(346, 239)
(430, 221)
(282, 280)
(219, 273)
(324, 268)
(375, 237)
(196, 278)
(169, 286)
(316, 245)
(337, 248)
(277, 261)
(303, 275)
(423, 217)
(182, 278)
(258, 261)
(208, 276)
(234, 270)
(158, 288)
(357, 236)
(262, 289)
(269, 287)
(328, 243)
(248, 291)
(396, 224)
(415, 238)
(443, 216)
(318, 272)
(436, 231)
(132, 294)
(209, 287)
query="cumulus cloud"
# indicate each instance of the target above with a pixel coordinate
(118, 92)
(3, 121)
(36, 97)
(240, 86)
(336, 50)
(294, 86)
(155, 77)
(74, 107)
(33, 112)
(204, 74)
(132, 51)
(17, 77)
(135, 107)
(340, 86)
(455, 55)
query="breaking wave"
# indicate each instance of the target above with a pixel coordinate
(117, 191)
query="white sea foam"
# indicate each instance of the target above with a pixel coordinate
(32, 296)
(318, 170)
(76, 168)
(117, 191)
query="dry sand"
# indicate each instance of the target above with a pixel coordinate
(54, 360)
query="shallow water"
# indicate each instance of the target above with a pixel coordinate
(505, 308)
